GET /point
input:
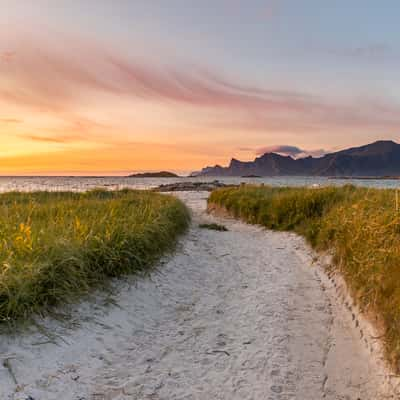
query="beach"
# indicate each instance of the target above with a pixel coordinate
(243, 314)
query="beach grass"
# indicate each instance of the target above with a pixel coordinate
(361, 227)
(57, 245)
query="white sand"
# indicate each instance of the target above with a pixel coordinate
(244, 314)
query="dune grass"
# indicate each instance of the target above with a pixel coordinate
(361, 226)
(54, 246)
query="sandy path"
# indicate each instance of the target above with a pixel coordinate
(234, 315)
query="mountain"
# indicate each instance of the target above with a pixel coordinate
(381, 158)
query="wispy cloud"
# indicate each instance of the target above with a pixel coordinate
(285, 149)
(53, 139)
(200, 88)
(11, 121)
(63, 81)
(54, 80)
(48, 78)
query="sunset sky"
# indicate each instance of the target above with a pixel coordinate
(110, 87)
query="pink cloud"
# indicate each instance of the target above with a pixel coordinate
(199, 88)
(59, 80)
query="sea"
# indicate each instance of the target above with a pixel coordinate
(80, 184)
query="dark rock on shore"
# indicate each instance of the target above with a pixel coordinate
(191, 187)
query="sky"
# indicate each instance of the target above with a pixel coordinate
(112, 87)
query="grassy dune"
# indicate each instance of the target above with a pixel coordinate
(361, 226)
(57, 245)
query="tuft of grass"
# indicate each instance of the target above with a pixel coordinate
(214, 227)
(360, 225)
(54, 246)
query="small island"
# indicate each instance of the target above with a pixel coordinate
(162, 174)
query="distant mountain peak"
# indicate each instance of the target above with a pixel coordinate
(387, 141)
(380, 158)
(384, 144)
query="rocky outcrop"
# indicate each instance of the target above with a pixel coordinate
(191, 187)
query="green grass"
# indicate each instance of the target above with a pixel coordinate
(54, 246)
(361, 226)
(214, 227)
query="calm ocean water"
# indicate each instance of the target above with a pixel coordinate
(112, 183)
